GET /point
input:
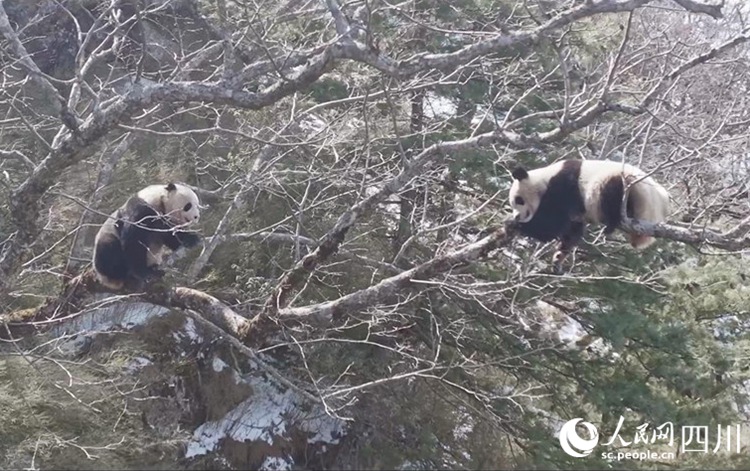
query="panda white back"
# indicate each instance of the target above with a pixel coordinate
(594, 175)
(648, 200)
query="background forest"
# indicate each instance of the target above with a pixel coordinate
(356, 302)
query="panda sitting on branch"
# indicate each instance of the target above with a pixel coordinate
(129, 246)
(556, 201)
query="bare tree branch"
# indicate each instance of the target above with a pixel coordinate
(14, 154)
(448, 61)
(386, 290)
(691, 63)
(74, 148)
(390, 287)
(28, 64)
(735, 240)
(109, 163)
(334, 237)
(714, 11)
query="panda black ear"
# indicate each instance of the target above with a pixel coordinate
(171, 187)
(520, 173)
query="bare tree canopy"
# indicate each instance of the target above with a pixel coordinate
(353, 162)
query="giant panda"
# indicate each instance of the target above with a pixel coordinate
(130, 244)
(556, 201)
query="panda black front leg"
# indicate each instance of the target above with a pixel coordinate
(145, 280)
(137, 253)
(188, 239)
(155, 273)
(568, 241)
(176, 239)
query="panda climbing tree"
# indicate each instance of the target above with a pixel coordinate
(555, 202)
(129, 246)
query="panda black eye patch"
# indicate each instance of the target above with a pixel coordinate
(519, 201)
(188, 207)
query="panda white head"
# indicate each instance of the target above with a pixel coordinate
(526, 194)
(178, 202)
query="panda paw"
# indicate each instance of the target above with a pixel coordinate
(557, 262)
(135, 284)
(559, 257)
(155, 273)
(140, 281)
(189, 239)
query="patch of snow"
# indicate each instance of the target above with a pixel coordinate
(462, 431)
(439, 107)
(354, 124)
(277, 464)
(729, 327)
(198, 448)
(323, 428)
(371, 190)
(571, 331)
(594, 305)
(461, 206)
(484, 114)
(189, 332)
(256, 418)
(266, 415)
(74, 345)
(553, 421)
(465, 426)
(499, 181)
(313, 124)
(408, 465)
(744, 389)
(219, 364)
(137, 363)
(114, 316)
